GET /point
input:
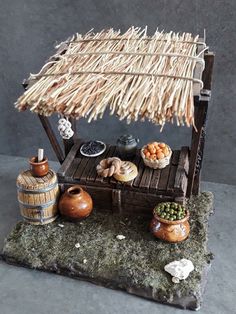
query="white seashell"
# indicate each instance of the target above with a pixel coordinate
(180, 269)
(62, 133)
(62, 121)
(68, 132)
(84, 261)
(120, 237)
(65, 137)
(61, 225)
(77, 245)
(61, 127)
(67, 124)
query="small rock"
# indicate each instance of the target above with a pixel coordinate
(179, 269)
(84, 261)
(77, 245)
(175, 280)
(120, 237)
(61, 225)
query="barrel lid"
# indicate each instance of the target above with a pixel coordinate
(27, 181)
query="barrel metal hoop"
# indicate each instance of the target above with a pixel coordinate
(38, 206)
(42, 219)
(28, 191)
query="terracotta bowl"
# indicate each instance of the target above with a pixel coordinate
(39, 169)
(170, 231)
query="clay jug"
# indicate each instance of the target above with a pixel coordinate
(75, 203)
(170, 231)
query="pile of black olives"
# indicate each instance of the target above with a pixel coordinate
(170, 211)
(92, 147)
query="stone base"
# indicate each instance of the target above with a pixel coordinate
(135, 264)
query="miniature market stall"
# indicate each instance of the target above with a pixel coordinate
(161, 78)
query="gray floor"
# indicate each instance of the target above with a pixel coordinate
(24, 291)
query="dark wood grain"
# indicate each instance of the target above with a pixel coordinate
(200, 117)
(182, 169)
(138, 179)
(92, 174)
(52, 138)
(163, 181)
(81, 167)
(69, 158)
(69, 175)
(197, 143)
(173, 170)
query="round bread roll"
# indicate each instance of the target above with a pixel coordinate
(128, 171)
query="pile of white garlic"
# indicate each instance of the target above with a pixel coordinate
(64, 127)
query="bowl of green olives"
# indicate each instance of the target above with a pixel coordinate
(170, 222)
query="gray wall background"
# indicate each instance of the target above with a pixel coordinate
(29, 29)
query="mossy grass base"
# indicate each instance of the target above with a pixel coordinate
(135, 264)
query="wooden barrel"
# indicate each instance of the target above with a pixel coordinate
(38, 197)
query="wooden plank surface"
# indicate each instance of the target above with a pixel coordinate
(163, 181)
(69, 175)
(138, 179)
(173, 170)
(69, 158)
(93, 172)
(166, 181)
(182, 169)
(81, 167)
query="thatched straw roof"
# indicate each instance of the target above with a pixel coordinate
(135, 75)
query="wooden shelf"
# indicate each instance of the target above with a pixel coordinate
(148, 188)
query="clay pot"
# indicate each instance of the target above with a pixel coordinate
(75, 203)
(39, 169)
(170, 231)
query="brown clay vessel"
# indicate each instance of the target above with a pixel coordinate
(39, 169)
(170, 231)
(75, 203)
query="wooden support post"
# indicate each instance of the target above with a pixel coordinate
(197, 145)
(52, 138)
(198, 138)
(70, 142)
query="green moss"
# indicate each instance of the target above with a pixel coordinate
(135, 263)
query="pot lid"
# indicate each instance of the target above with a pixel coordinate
(126, 139)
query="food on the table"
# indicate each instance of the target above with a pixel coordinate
(155, 150)
(92, 148)
(128, 171)
(170, 211)
(109, 166)
(123, 171)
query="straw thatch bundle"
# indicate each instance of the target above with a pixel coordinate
(136, 76)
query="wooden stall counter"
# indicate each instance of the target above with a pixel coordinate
(137, 197)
